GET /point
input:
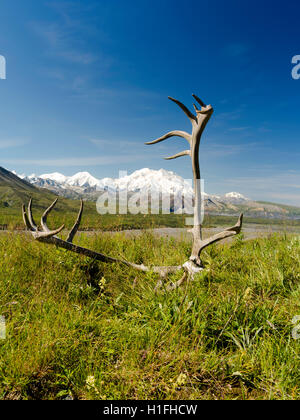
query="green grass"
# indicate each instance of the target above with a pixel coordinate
(96, 331)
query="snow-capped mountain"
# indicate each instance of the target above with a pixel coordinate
(235, 198)
(149, 180)
(56, 177)
(143, 180)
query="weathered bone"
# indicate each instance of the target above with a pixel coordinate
(199, 100)
(76, 225)
(184, 153)
(31, 221)
(175, 133)
(187, 112)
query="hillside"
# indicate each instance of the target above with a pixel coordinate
(293, 210)
(15, 191)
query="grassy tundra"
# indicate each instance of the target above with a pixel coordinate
(94, 331)
(66, 212)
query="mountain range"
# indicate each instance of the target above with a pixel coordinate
(84, 185)
(143, 181)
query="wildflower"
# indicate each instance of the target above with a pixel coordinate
(247, 294)
(102, 284)
(181, 380)
(90, 382)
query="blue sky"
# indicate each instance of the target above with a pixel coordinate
(87, 85)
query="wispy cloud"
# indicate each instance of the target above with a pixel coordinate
(66, 38)
(77, 161)
(101, 143)
(229, 115)
(239, 128)
(283, 179)
(79, 68)
(215, 150)
(59, 41)
(282, 186)
(235, 49)
(12, 143)
(264, 130)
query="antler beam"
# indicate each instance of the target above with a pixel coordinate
(50, 237)
(199, 122)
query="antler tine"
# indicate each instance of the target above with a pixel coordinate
(184, 153)
(26, 220)
(174, 133)
(196, 108)
(39, 235)
(238, 227)
(30, 217)
(227, 233)
(185, 109)
(44, 217)
(46, 230)
(199, 100)
(76, 225)
(49, 234)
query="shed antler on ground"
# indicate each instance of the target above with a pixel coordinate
(194, 264)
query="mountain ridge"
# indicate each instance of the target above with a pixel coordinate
(142, 179)
(15, 191)
(84, 185)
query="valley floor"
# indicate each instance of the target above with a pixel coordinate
(250, 231)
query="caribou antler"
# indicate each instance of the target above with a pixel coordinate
(50, 237)
(199, 122)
